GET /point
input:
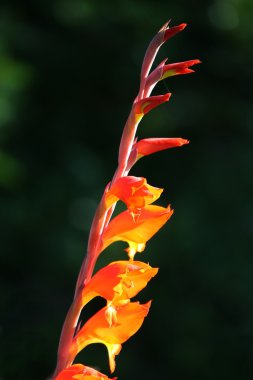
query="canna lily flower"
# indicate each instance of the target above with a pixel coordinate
(118, 282)
(136, 233)
(81, 372)
(97, 330)
(135, 192)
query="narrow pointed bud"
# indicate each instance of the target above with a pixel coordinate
(179, 68)
(145, 105)
(152, 145)
(162, 36)
(164, 71)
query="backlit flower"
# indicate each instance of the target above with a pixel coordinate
(97, 330)
(135, 192)
(136, 233)
(118, 282)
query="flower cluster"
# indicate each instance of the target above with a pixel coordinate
(120, 281)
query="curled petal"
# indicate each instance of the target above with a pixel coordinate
(117, 283)
(148, 146)
(135, 192)
(81, 372)
(136, 233)
(97, 329)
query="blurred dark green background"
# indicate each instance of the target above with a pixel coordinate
(69, 70)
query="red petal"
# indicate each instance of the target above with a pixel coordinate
(170, 32)
(148, 146)
(145, 105)
(81, 372)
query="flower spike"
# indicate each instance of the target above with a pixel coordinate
(119, 281)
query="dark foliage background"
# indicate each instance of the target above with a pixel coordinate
(69, 70)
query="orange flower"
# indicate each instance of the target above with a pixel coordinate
(135, 192)
(97, 329)
(118, 282)
(136, 233)
(81, 372)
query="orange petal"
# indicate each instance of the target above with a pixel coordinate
(97, 329)
(135, 192)
(136, 233)
(135, 279)
(81, 372)
(118, 282)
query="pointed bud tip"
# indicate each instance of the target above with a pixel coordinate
(170, 32)
(184, 141)
(192, 62)
(187, 71)
(182, 26)
(165, 26)
(179, 27)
